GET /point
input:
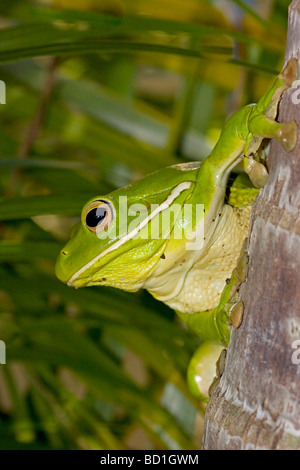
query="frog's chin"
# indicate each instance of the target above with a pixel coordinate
(121, 283)
(81, 282)
(75, 284)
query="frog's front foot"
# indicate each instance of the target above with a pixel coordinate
(263, 124)
(256, 171)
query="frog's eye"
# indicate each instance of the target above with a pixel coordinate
(98, 215)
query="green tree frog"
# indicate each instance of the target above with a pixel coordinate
(179, 235)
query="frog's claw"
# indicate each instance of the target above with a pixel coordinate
(288, 135)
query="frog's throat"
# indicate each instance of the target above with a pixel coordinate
(165, 205)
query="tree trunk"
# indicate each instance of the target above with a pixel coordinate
(257, 402)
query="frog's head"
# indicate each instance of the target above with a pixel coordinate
(121, 236)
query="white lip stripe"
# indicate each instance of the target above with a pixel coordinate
(174, 194)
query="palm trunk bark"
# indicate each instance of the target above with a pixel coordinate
(257, 402)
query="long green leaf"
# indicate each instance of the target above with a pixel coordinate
(78, 352)
(63, 35)
(35, 163)
(27, 251)
(68, 204)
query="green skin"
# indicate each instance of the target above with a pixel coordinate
(158, 264)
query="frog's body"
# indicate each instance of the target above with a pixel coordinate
(187, 280)
(123, 242)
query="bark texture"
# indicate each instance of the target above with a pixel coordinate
(257, 402)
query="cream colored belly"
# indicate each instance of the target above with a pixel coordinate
(205, 280)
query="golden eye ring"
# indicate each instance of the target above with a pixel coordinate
(98, 215)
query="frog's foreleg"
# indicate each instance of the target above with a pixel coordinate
(262, 124)
(243, 134)
(213, 325)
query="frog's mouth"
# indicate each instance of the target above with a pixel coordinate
(127, 268)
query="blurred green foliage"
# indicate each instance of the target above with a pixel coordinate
(98, 94)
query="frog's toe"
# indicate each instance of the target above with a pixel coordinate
(289, 135)
(220, 368)
(236, 314)
(213, 386)
(289, 73)
(220, 365)
(242, 264)
(257, 173)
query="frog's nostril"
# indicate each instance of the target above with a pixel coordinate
(64, 252)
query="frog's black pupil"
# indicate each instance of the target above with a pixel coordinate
(95, 216)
